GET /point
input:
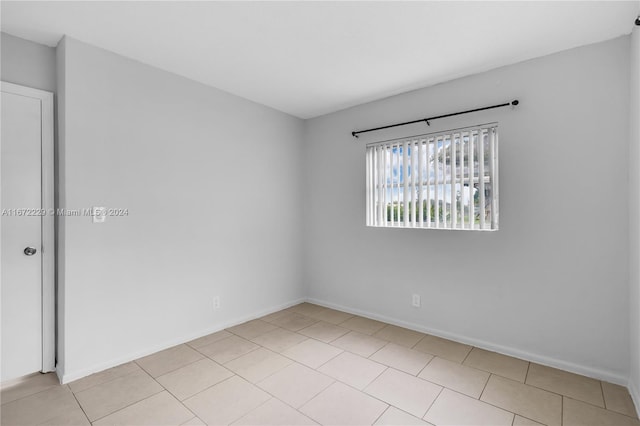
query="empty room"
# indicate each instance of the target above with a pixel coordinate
(320, 213)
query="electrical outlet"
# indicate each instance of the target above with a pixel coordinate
(415, 300)
(99, 214)
(216, 302)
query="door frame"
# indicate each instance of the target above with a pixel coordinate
(48, 246)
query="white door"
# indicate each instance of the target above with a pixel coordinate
(26, 224)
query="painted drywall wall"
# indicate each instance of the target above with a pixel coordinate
(551, 285)
(211, 186)
(634, 216)
(27, 63)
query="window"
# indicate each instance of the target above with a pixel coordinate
(445, 180)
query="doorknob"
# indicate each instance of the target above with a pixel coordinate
(30, 251)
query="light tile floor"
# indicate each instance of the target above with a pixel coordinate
(313, 365)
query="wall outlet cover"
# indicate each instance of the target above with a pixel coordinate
(415, 300)
(99, 214)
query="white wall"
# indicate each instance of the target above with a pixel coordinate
(551, 285)
(634, 216)
(211, 182)
(27, 63)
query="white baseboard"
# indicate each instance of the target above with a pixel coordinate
(75, 375)
(607, 376)
(635, 395)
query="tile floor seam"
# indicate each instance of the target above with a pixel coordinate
(79, 405)
(317, 340)
(242, 337)
(72, 394)
(391, 405)
(409, 414)
(126, 406)
(316, 368)
(604, 400)
(386, 367)
(467, 355)
(176, 397)
(597, 406)
(434, 355)
(376, 378)
(489, 403)
(426, 365)
(192, 418)
(242, 415)
(342, 322)
(108, 381)
(31, 394)
(505, 377)
(288, 347)
(560, 394)
(252, 410)
(485, 387)
(24, 380)
(526, 375)
(381, 414)
(330, 342)
(209, 387)
(297, 409)
(252, 384)
(306, 402)
(278, 399)
(418, 342)
(305, 329)
(364, 392)
(263, 378)
(253, 349)
(501, 408)
(542, 389)
(378, 350)
(528, 418)
(428, 381)
(432, 403)
(12, 383)
(306, 338)
(443, 386)
(175, 369)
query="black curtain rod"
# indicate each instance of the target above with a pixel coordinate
(426, 120)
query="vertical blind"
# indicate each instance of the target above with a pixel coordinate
(446, 180)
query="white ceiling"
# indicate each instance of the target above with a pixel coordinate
(312, 58)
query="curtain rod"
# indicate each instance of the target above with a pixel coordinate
(426, 120)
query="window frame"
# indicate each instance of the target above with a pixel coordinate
(424, 185)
